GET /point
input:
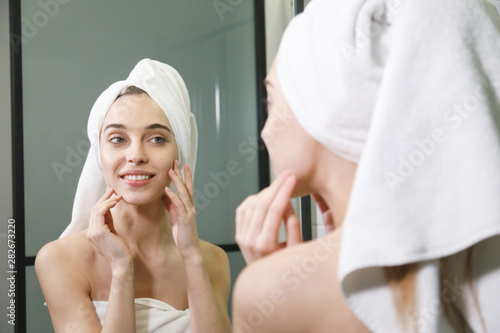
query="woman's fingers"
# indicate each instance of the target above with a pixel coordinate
(328, 221)
(105, 206)
(323, 207)
(277, 210)
(257, 208)
(173, 201)
(253, 220)
(259, 217)
(102, 233)
(106, 196)
(101, 216)
(182, 212)
(176, 178)
(242, 226)
(188, 175)
(105, 203)
(327, 215)
(292, 226)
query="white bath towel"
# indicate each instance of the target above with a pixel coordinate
(153, 316)
(166, 87)
(409, 90)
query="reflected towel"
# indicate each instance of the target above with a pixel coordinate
(152, 315)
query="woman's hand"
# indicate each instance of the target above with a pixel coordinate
(183, 212)
(259, 217)
(327, 213)
(102, 233)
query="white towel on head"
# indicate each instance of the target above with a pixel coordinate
(166, 87)
(409, 90)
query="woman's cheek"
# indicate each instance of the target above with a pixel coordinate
(107, 168)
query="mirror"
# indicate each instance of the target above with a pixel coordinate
(72, 51)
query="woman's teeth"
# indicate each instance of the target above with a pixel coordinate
(137, 177)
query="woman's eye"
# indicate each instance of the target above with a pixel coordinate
(117, 140)
(158, 139)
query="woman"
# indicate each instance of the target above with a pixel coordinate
(131, 260)
(388, 114)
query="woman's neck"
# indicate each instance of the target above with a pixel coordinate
(335, 187)
(145, 228)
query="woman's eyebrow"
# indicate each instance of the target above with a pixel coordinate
(120, 126)
(154, 126)
(150, 127)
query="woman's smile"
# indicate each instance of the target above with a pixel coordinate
(137, 178)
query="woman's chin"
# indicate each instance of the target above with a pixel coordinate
(137, 200)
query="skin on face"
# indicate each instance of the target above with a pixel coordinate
(291, 148)
(137, 137)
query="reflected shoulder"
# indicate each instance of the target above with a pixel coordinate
(67, 252)
(213, 256)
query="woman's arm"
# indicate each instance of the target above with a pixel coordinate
(120, 312)
(62, 269)
(208, 282)
(65, 287)
(208, 287)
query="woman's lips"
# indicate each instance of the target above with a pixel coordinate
(137, 180)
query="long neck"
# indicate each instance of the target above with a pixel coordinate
(144, 228)
(333, 179)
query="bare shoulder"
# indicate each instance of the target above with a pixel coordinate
(71, 251)
(294, 290)
(217, 266)
(214, 257)
(67, 257)
(62, 268)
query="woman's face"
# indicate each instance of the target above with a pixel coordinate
(137, 148)
(291, 148)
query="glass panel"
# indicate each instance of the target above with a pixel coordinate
(38, 318)
(74, 50)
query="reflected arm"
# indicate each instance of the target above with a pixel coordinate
(208, 286)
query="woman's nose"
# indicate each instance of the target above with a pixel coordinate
(136, 154)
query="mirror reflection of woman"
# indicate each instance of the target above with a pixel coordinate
(131, 259)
